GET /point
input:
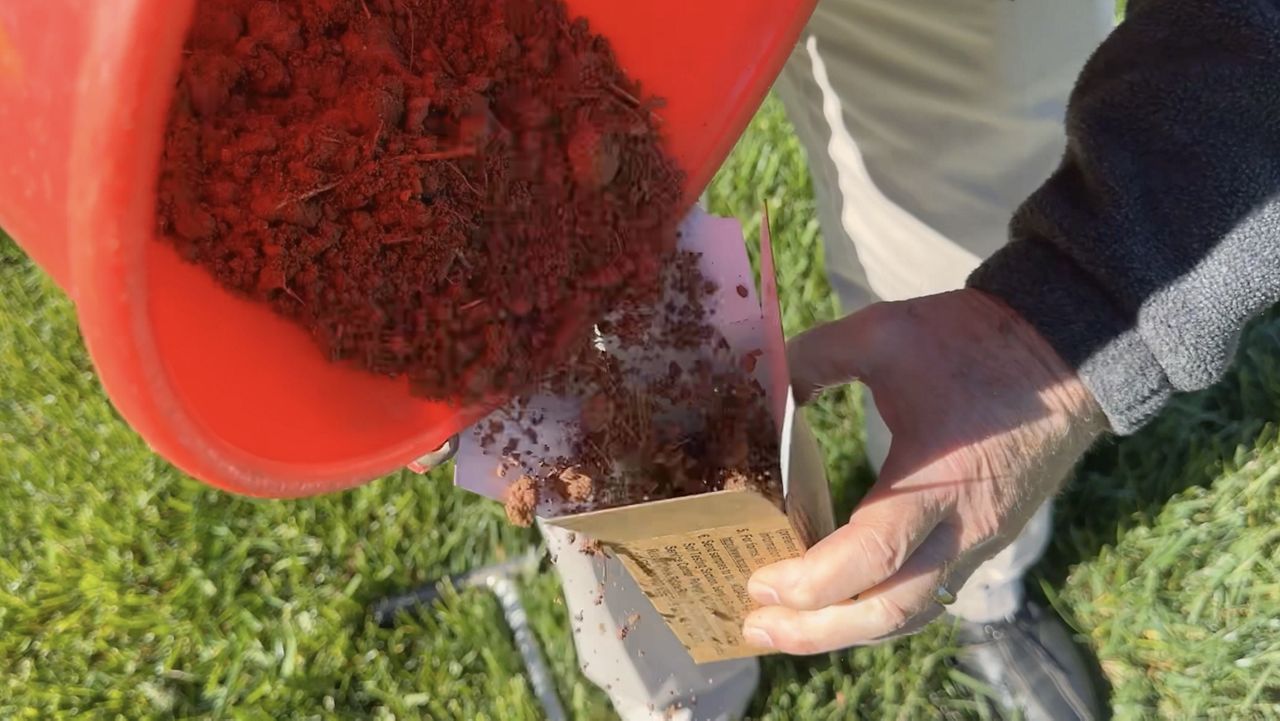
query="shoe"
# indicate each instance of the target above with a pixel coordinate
(1031, 663)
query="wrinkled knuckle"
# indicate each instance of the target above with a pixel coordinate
(890, 615)
(986, 537)
(882, 559)
(984, 530)
(802, 596)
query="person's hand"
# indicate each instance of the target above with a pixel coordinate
(987, 422)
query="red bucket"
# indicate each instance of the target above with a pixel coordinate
(222, 387)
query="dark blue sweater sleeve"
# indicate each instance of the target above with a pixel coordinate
(1158, 238)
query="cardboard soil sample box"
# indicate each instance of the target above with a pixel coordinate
(692, 556)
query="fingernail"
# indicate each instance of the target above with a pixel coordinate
(757, 637)
(762, 593)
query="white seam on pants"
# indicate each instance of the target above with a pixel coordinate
(893, 269)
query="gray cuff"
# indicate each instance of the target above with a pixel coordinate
(1083, 326)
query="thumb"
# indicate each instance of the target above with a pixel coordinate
(831, 354)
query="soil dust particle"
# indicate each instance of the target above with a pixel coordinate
(522, 501)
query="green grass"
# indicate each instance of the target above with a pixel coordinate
(128, 590)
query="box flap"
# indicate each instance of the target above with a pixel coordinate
(674, 516)
(805, 490)
(775, 342)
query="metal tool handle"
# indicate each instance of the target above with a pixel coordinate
(539, 675)
(386, 610)
(499, 580)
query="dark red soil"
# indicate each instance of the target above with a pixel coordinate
(696, 425)
(452, 190)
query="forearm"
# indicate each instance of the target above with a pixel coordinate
(1141, 259)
